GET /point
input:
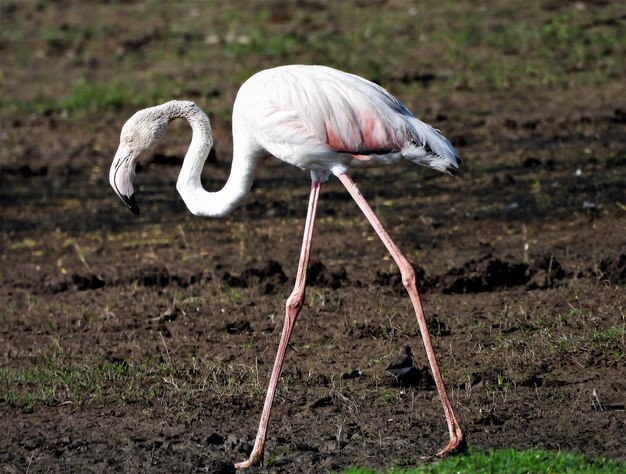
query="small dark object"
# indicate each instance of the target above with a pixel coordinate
(215, 439)
(167, 316)
(322, 402)
(352, 374)
(401, 364)
(238, 327)
(170, 314)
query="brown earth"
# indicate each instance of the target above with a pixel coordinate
(145, 343)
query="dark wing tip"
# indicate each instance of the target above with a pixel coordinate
(131, 203)
(454, 170)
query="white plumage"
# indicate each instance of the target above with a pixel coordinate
(327, 120)
(313, 117)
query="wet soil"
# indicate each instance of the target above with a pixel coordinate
(521, 265)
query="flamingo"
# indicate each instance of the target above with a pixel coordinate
(316, 118)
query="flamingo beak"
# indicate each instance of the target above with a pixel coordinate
(121, 177)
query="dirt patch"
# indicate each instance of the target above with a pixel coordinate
(145, 343)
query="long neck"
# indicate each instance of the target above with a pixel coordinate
(199, 201)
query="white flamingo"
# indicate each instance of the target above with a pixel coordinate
(319, 119)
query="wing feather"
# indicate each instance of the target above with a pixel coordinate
(316, 113)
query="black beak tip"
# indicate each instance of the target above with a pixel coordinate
(131, 203)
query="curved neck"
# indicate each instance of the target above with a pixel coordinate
(199, 201)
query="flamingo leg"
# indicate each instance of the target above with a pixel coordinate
(293, 305)
(408, 279)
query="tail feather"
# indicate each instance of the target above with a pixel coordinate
(430, 148)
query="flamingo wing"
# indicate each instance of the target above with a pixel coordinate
(318, 118)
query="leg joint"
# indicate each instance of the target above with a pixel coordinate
(295, 300)
(408, 275)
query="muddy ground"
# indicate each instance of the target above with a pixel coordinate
(144, 344)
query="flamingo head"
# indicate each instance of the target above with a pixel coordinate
(141, 132)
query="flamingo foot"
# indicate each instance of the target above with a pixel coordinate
(256, 456)
(457, 444)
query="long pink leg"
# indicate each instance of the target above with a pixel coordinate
(293, 305)
(408, 279)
